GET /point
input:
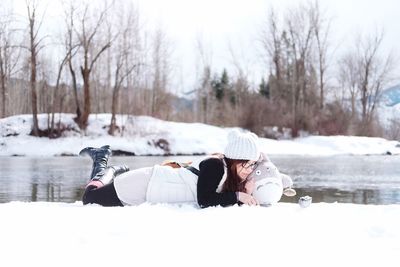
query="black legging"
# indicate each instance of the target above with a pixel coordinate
(105, 196)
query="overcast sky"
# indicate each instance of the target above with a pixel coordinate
(236, 24)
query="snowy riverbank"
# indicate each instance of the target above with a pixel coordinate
(149, 136)
(59, 234)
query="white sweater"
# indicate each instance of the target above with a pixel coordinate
(159, 184)
(169, 185)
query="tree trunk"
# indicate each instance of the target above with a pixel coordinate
(114, 105)
(35, 129)
(3, 87)
(75, 90)
(56, 96)
(86, 96)
(3, 94)
(321, 81)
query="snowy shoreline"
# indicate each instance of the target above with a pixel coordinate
(170, 235)
(147, 136)
(64, 234)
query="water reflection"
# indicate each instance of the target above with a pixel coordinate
(345, 179)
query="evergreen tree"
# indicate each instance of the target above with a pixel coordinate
(224, 82)
(264, 88)
(216, 86)
(220, 86)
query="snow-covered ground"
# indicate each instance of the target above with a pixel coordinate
(57, 234)
(146, 136)
(61, 234)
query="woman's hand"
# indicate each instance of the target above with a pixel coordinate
(249, 187)
(247, 199)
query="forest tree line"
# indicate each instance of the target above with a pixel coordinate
(105, 61)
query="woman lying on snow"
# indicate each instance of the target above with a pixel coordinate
(215, 180)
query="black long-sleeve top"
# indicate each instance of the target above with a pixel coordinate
(211, 173)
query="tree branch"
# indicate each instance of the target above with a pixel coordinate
(108, 45)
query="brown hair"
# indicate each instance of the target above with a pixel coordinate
(233, 183)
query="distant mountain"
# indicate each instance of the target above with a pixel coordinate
(182, 104)
(391, 96)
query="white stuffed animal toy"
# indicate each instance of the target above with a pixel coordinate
(270, 184)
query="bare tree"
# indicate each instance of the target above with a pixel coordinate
(348, 77)
(71, 50)
(300, 30)
(86, 34)
(9, 55)
(161, 69)
(297, 48)
(272, 43)
(241, 84)
(125, 63)
(375, 72)
(204, 99)
(35, 45)
(364, 73)
(56, 98)
(321, 27)
(290, 49)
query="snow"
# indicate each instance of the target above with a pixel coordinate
(62, 234)
(59, 234)
(141, 134)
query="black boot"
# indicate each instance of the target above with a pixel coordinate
(100, 158)
(110, 173)
(100, 190)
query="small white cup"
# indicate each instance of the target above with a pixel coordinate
(305, 201)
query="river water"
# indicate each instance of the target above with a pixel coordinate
(344, 179)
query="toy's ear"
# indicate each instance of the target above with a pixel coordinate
(264, 157)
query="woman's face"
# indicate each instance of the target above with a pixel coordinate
(244, 169)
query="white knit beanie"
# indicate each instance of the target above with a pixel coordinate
(242, 146)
